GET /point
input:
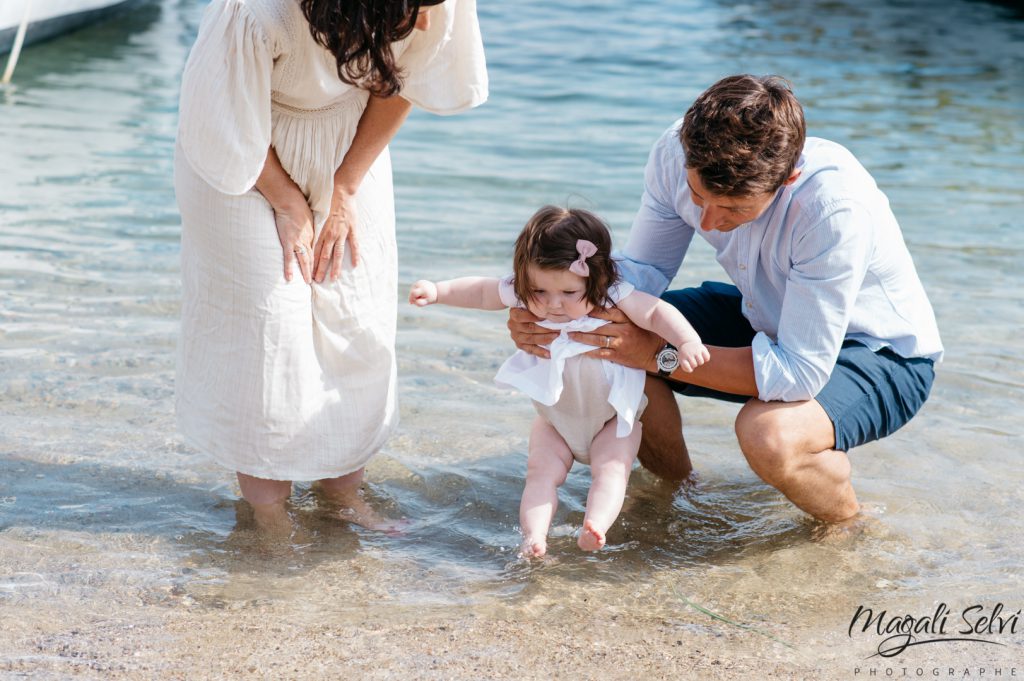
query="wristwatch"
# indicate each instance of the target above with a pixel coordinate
(667, 359)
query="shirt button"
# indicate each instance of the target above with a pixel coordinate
(742, 266)
(750, 305)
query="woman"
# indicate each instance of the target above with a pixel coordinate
(287, 107)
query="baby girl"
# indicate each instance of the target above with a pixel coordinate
(587, 408)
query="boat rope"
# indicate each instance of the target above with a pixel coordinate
(19, 40)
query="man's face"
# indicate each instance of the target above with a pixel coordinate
(726, 213)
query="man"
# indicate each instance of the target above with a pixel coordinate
(826, 333)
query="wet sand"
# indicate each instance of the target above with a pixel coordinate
(101, 614)
(169, 642)
(264, 644)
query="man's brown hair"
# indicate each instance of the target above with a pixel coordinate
(548, 241)
(744, 135)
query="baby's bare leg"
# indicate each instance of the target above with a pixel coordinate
(548, 464)
(611, 461)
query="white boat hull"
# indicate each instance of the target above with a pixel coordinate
(48, 18)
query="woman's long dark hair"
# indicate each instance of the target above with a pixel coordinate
(359, 34)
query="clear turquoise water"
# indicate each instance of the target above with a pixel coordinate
(100, 502)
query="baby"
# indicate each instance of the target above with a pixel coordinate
(587, 408)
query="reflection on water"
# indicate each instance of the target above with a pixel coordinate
(102, 507)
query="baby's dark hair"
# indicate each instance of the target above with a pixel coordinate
(548, 241)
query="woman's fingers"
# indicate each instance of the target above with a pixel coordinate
(289, 260)
(324, 254)
(353, 244)
(305, 258)
(295, 233)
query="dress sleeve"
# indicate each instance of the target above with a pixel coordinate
(620, 290)
(224, 116)
(507, 292)
(444, 66)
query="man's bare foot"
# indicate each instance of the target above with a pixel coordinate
(591, 539)
(866, 523)
(533, 548)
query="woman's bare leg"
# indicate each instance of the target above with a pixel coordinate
(267, 498)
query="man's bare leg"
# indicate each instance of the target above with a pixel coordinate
(790, 446)
(662, 449)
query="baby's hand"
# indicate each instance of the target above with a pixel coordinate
(423, 293)
(692, 355)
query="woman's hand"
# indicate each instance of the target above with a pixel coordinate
(295, 232)
(621, 341)
(527, 336)
(339, 229)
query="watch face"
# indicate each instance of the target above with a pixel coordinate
(668, 360)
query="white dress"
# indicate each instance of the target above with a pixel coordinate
(279, 380)
(577, 395)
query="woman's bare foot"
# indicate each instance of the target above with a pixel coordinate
(268, 500)
(591, 539)
(357, 511)
(533, 548)
(346, 494)
(272, 520)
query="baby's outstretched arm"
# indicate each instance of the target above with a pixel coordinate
(480, 293)
(654, 314)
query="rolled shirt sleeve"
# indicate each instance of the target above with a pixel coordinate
(827, 269)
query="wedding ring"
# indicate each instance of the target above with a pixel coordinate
(607, 341)
(301, 250)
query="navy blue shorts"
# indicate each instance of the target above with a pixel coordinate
(869, 395)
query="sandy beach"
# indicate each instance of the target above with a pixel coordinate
(164, 641)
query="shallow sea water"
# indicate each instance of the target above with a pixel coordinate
(102, 507)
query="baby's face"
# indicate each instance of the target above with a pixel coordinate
(557, 295)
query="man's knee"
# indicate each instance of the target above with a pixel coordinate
(768, 442)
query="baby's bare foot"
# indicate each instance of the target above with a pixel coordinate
(533, 548)
(591, 539)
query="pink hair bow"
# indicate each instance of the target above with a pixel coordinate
(585, 249)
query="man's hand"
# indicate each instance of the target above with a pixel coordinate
(621, 341)
(527, 336)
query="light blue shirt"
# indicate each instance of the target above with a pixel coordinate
(824, 263)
